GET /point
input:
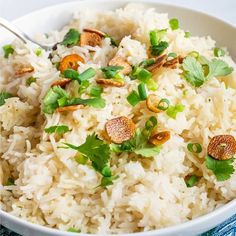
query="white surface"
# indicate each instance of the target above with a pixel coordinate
(224, 9)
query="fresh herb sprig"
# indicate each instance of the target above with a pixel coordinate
(139, 143)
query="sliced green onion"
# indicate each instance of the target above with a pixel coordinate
(87, 74)
(163, 104)
(187, 34)
(142, 91)
(3, 96)
(172, 111)
(71, 74)
(81, 159)
(172, 54)
(30, 80)
(185, 92)
(111, 71)
(133, 98)
(96, 91)
(73, 230)
(106, 181)
(191, 181)
(174, 23)
(147, 62)
(7, 49)
(38, 52)
(113, 41)
(83, 86)
(106, 171)
(93, 102)
(157, 50)
(151, 123)
(152, 85)
(71, 38)
(156, 36)
(219, 52)
(194, 54)
(62, 101)
(194, 147)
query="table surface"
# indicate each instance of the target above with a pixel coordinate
(224, 9)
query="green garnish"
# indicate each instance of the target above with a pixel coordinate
(112, 71)
(196, 73)
(59, 129)
(38, 52)
(7, 49)
(172, 111)
(194, 54)
(147, 63)
(87, 74)
(140, 74)
(133, 98)
(139, 143)
(50, 101)
(3, 96)
(81, 159)
(142, 91)
(174, 23)
(221, 169)
(194, 147)
(74, 230)
(96, 91)
(113, 41)
(71, 74)
(152, 85)
(83, 86)
(30, 80)
(187, 34)
(10, 182)
(219, 52)
(172, 54)
(71, 38)
(159, 49)
(93, 102)
(163, 104)
(157, 45)
(98, 152)
(191, 181)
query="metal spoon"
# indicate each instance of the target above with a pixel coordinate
(22, 36)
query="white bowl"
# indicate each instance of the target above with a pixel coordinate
(198, 24)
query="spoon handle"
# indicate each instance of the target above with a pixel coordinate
(7, 25)
(21, 35)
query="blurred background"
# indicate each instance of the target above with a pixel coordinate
(224, 9)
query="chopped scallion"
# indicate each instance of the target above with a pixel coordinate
(157, 50)
(147, 62)
(194, 147)
(71, 74)
(87, 74)
(172, 54)
(163, 104)
(133, 98)
(174, 23)
(3, 96)
(30, 80)
(7, 49)
(38, 52)
(187, 34)
(172, 111)
(191, 181)
(96, 91)
(142, 91)
(219, 52)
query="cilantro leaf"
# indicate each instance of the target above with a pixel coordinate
(172, 111)
(218, 68)
(3, 96)
(159, 48)
(106, 181)
(221, 169)
(95, 149)
(193, 71)
(7, 49)
(139, 143)
(59, 129)
(71, 38)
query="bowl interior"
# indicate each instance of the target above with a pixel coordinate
(197, 23)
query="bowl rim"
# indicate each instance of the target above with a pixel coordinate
(171, 229)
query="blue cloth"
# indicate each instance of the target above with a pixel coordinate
(227, 228)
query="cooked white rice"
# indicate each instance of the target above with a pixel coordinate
(53, 190)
